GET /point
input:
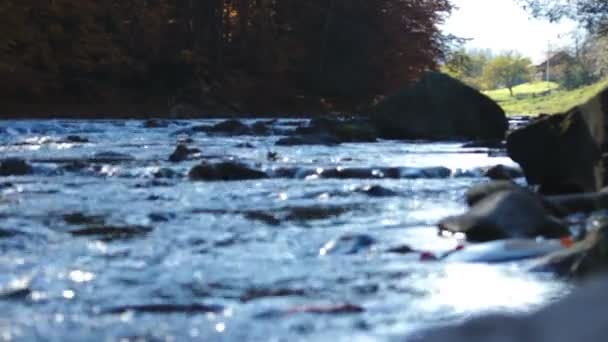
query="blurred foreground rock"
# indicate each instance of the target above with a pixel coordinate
(583, 316)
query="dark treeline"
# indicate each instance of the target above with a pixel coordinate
(241, 55)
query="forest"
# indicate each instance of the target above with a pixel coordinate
(237, 56)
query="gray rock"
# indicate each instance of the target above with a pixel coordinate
(503, 215)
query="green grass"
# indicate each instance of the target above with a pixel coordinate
(534, 98)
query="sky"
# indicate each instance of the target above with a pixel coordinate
(502, 25)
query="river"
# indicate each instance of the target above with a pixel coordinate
(241, 260)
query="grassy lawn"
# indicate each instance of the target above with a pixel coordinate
(534, 98)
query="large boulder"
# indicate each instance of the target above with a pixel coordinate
(503, 215)
(562, 153)
(439, 107)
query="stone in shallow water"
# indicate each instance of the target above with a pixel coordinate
(110, 233)
(506, 214)
(225, 171)
(14, 167)
(80, 218)
(110, 157)
(167, 308)
(376, 191)
(182, 152)
(257, 293)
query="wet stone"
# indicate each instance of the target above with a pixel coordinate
(161, 217)
(225, 171)
(14, 167)
(168, 308)
(263, 217)
(166, 172)
(8, 233)
(76, 139)
(253, 294)
(80, 219)
(111, 157)
(314, 212)
(231, 127)
(153, 123)
(182, 152)
(111, 233)
(402, 249)
(309, 139)
(376, 191)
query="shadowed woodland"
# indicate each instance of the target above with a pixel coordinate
(236, 56)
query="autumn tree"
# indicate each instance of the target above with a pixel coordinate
(234, 51)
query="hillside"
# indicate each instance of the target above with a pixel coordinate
(535, 98)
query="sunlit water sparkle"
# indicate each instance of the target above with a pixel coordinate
(204, 249)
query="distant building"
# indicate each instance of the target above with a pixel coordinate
(556, 62)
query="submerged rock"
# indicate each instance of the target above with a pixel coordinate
(224, 171)
(167, 308)
(155, 123)
(76, 139)
(365, 173)
(231, 127)
(376, 191)
(348, 244)
(309, 139)
(110, 157)
(181, 153)
(262, 216)
(310, 213)
(15, 167)
(110, 233)
(439, 107)
(503, 215)
(166, 173)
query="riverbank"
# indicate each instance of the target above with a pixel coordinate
(542, 98)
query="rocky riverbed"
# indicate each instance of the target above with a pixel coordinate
(247, 230)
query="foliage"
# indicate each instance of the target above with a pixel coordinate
(253, 50)
(467, 66)
(593, 13)
(507, 70)
(534, 98)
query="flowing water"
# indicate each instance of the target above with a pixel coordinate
(234, 261)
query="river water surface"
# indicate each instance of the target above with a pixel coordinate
(234, 261)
